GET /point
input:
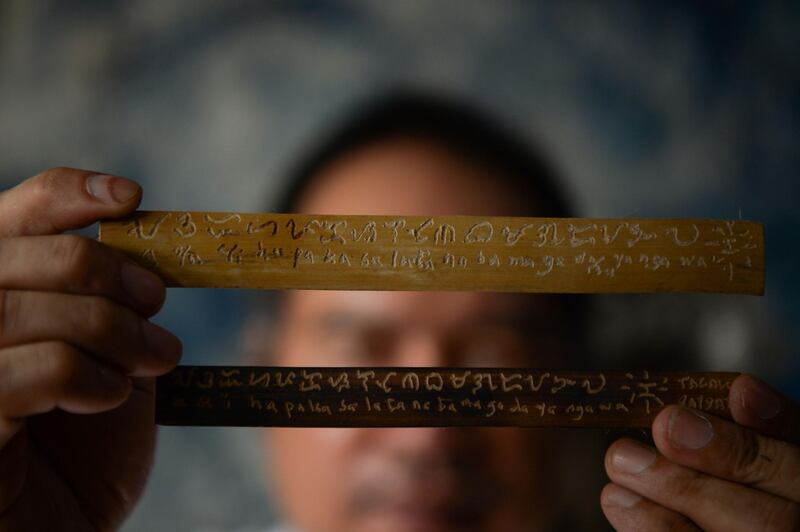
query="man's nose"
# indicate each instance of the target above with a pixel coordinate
(423, 348)
(423, 441)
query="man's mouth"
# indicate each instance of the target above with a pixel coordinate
(420, 516)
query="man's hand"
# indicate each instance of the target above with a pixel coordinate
(77, 357)
(711, 474)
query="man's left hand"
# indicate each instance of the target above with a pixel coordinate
(707, 473)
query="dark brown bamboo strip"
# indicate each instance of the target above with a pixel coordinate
(573, 255)
(415, 397)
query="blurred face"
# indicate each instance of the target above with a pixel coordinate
(420, 479)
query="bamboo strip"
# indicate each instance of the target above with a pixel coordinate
(410, 397)
(570, 255)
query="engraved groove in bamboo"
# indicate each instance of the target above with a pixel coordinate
(554, 255)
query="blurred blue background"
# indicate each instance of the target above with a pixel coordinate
(649, 109)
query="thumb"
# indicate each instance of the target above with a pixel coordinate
(65, 198)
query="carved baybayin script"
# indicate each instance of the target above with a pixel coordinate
(570, 255)
(277, 251)
(404, 396)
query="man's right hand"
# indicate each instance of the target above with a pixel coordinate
(77, 357)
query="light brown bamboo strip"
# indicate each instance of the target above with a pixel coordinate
(569, 255)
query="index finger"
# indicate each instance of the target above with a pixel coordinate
(65, 198)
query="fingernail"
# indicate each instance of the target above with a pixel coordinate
(142, 285)
(111, 189)
(163, 343)
(758, 399)
(632, 457)
(621, 497)
(689, 430)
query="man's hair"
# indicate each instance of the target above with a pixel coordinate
(458, 127)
